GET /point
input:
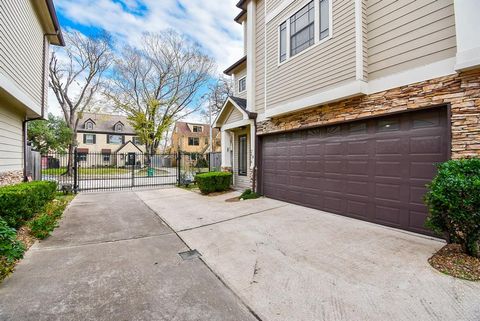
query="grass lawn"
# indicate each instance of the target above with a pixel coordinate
(156, 172)
(88, 171)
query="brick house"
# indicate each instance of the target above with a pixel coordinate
(346, 106)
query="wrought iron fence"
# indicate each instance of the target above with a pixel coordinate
(110, 171)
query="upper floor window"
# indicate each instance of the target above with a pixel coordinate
(308, 26)
(89, 138)
(193, 141)
(136, 140)
(302, 29)
(324, 19)
(115, 139)
(197, 129)
(89, 125)
(118, 127)
(242, 84)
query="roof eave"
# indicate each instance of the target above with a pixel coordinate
(53, 15)
(229, 70)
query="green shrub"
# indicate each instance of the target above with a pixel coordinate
(21, 202)
(248, 194)
(10, 248)
(453, 200)
(213, 182)
(43, 224)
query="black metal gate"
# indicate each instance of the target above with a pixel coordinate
(87, 171)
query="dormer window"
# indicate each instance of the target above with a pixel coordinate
(89, 125)
(118, 127)
(197, 129)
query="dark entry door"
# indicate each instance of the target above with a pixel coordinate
(374, 170)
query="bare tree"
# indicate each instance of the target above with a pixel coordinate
(159, 83)
(218, 92)
(77, 78)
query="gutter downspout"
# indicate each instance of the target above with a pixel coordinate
(24, 123)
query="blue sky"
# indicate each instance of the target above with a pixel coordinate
(208, 22)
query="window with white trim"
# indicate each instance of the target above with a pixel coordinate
(283, 41)
(324, 19)
(308, 26)
(242, 84)
(302, 29)
(89, 125)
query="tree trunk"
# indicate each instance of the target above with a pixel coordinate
(69, 169)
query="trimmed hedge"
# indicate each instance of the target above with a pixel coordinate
(20, 202)
(213, 182)
(453, 200)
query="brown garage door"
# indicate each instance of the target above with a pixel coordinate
(374, 170)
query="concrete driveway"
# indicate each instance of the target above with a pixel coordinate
(289, 262)
(112, 258)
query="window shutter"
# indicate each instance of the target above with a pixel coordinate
(84, 138)
(94, 139)
(108, 139)
(123, 139)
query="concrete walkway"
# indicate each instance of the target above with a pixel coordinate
(112, 258)
(289, 262)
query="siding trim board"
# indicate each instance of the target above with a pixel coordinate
(414, 75)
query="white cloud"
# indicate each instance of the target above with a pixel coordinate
(208, 22)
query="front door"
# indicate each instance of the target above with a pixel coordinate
(242, 155)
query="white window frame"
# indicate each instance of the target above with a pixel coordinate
(118, 127)
(89, 125)
(92, 136)
(317, 41)
(197, 131)
(245, 89)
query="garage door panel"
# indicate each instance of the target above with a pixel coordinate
(357, 188)
(387, 215)
(425, 145)
(334, 204)
(417, 194)
(374, 170)
(359, 148)
(333, 166)
(388, 169)
(358, 167)
(388, 147)
(389, 192)
(357, 209)
(422, 170)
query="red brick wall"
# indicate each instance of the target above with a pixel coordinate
(461, 91)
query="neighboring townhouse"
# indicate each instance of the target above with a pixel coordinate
(346, 106)
(27, 29)
(108, 139)
(194, 138)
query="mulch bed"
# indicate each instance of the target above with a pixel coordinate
(452, 261)
(23, 235)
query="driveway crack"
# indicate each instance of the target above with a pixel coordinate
(231, 219)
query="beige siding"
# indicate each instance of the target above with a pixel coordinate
(320, 67)
(259, 105)
(404, 34)
(241, 182)
(272, 4)
(11, 150)
(234, 116)
(21, 47)
(239, 75)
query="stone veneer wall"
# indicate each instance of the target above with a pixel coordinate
(461, 91)
(12, 177)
